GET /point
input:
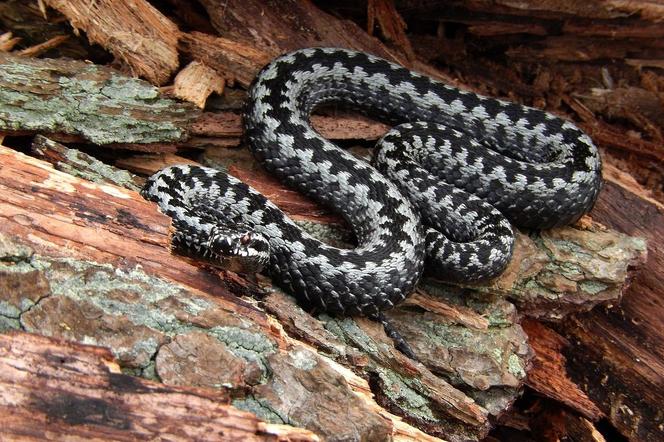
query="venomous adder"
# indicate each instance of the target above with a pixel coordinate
(536, 169)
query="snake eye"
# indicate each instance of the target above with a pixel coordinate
(245, 239)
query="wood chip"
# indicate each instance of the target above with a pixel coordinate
(196, 82)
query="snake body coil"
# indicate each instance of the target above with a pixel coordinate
(535, 168)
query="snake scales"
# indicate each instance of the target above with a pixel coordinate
(466, 162)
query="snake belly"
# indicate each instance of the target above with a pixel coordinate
(465, 162)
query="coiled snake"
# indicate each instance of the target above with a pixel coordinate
(537, 169)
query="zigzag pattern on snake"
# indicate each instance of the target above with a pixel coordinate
(465, 162)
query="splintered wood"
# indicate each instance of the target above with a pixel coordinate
(134, 31)
(196, 82)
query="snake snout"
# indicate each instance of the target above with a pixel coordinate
(241, 251)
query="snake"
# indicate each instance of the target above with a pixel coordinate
(440, 196)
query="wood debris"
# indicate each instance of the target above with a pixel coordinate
(84, 258)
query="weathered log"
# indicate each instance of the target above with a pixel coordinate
(55, 390)
(99, 255)
(77, 98)
(463, 362)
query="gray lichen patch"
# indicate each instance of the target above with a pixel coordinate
(79, 320)
(127, 310)
(82, 165)
(348, 331)
(567, 270)
(73, 97)
(304, 390)
(12, 250)
(260, 407)
(480, 359)
(495, 399)
(413, 390)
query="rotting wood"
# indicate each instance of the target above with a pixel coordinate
(79, 164)
(34, 28)
(196, 82)
(127, 301)
(438, 312)
(617, 136)
(548, 376)
(617, 353)
(149, 49)
(36, 50)
(81, 99)
(8, 41)
(54, 390)
(392, 26)
(236, 61)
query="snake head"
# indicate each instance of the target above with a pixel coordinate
(227, 246)
(239, 250)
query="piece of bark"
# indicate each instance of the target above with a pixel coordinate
(196, 82)
(267, 27)
(235, 60)
(392, 26)
(149, 164)
(54, 390)
(135, 32)
(79, 164)
(8, 41)
(571, 48)
(243, 49)
(36, 50)
(548, 375)
(81, 99)
(645, 109)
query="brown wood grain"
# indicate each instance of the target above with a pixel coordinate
(59, 390)
(135, 32)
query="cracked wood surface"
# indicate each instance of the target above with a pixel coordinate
(58, 390)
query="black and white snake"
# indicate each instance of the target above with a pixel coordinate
(537, 169)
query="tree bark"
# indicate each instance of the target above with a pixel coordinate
(55, 390)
